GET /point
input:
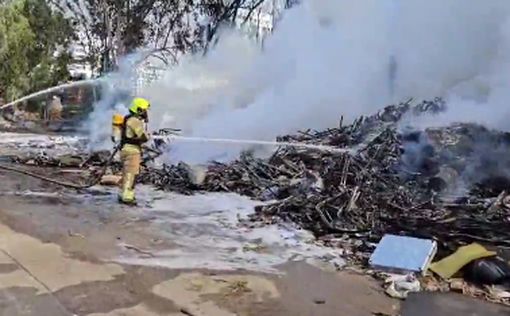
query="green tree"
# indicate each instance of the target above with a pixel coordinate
(49, 56)
(34, 47)
(16, 41)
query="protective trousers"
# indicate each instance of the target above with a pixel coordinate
(55, 115)
(131, 160)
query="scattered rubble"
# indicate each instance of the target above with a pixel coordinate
(95, 159)
(399, 286)
(491, 293)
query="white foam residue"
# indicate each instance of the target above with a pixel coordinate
(206, 233)
(25, 138)
(36, 142)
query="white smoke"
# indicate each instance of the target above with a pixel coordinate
(116, 91)
(483, 97)
(198, 84)
(334, 57)
(309, 72)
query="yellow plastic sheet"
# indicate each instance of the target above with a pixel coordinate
(447, 267)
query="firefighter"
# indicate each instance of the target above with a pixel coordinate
(133, 135)
(55, 109)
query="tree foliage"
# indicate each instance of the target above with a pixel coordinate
(112, 28)
(16, 41)
(34, 43)
(50, 55)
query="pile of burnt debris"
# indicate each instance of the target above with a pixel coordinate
(446, 184)
(76, 160)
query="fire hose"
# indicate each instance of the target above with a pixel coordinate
(155, 153)
(63, 183)
(162, 137)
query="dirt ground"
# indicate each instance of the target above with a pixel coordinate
(57, 257)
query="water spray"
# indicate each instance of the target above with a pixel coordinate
(49, 90)
(252, 142)
(140, 57)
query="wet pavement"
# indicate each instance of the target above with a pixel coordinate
(71, 258)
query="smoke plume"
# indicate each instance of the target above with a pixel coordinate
(116, 93)
(333, 58)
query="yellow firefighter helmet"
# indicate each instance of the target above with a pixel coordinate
(139, 105)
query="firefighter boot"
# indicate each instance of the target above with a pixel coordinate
(127, 195)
